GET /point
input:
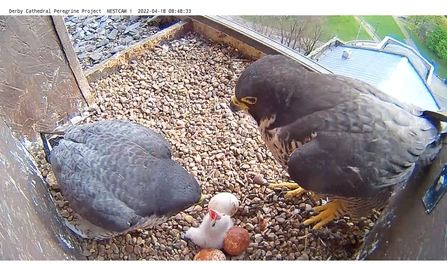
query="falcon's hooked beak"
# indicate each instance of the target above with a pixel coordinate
(214, 217)
(236, 105)
(202, 197)
(200, 202)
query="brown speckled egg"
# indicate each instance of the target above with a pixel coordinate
(210, 254)
(236, 241)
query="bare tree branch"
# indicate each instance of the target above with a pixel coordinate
(313, 34)
(300, 33)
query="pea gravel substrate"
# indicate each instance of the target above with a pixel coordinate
(182, 89)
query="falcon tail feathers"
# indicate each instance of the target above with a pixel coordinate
(431, 152)
(51, 139)
(438, 119)
(49, 143)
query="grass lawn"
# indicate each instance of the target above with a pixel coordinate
(440, 65)
(345, 27)
(385, 25)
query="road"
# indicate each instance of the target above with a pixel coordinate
(368, 28)
(371, 31)
(408, 39)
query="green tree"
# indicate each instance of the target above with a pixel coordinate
(423, 25)
(419, 20)
(437, 41)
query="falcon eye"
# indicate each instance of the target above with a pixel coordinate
(249, 100)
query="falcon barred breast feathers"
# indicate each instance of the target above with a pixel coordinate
(338, 137)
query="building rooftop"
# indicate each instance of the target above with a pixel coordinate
(417, 60)
(391, 68)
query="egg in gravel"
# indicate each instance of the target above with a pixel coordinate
(210, 254)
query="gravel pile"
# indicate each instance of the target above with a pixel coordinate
(97, 38)
(182, 90)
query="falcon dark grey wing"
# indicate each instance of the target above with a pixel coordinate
(338, 137)
(119, 176)
(92, 134)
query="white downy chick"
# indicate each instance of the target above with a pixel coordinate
(211, 232)
(224, 202)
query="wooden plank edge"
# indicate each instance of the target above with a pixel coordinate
(73, 61)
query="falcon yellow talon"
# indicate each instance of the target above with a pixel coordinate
(294, 193)
(327, 213)
(289, 185)
(319, 149)
(319, 209)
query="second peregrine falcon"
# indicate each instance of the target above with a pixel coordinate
(338, 137)
(119, 176)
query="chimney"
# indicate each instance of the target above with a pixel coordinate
(346, 54)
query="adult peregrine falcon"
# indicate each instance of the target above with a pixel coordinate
(119, 176)
(338, 137)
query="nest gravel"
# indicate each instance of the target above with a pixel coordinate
(182, 90)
